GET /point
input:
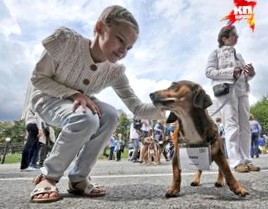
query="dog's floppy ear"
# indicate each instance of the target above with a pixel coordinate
(171, 118)
(200, 98)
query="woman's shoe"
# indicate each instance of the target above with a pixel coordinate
(253, 168)
(241, 169)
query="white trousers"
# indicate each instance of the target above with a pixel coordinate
(83, 136)
(235, 115)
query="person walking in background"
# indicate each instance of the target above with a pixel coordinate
(262, 144)
(255, 129)
(111, 147)
(119, 146)
(145, 131)
(160, 138)
(46, 138)
(31, 147)
(35, 155)
(134, 135)
(146, 128)
(70, 72)
(159, 131)
(230, 75)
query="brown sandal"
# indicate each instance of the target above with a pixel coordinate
(42, 189)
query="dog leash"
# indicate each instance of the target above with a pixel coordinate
(222, 105)
(227, 99)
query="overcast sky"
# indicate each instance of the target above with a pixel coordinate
(175, 40)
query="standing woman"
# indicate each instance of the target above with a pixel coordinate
(227, 67)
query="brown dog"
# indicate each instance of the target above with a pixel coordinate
(188, 101)
(149, 151)
(152, 151)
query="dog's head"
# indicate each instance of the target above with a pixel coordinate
(148, 139)
(182, 96)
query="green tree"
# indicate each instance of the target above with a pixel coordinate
(123, 126)
(260, 112)
(4, 126)
(14, 130)
(18, 131)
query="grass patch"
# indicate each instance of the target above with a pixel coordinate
(12, 158)
(16, 157)
(124, 154)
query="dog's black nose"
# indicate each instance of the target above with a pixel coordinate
(152, 95)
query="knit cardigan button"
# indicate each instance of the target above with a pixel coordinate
(93, 67)
(86, 81)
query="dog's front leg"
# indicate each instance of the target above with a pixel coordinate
(231, 181)
(220, 179)
(174, 189)
(197, 178)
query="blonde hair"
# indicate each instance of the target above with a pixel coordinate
(116, 14)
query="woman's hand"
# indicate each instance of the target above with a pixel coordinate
(249, 70)
(237, 72)
(84, 101)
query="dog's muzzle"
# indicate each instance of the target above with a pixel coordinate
(159, 100)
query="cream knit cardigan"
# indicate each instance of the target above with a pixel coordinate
(221, 64)
(66, 64)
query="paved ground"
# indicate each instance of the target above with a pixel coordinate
(141, 187)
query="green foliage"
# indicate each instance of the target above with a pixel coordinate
(14, 130)
(123, 126)
(260, 112)
(13, 158)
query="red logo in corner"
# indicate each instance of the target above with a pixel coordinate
(243, 10)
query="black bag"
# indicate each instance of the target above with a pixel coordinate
(221, 89)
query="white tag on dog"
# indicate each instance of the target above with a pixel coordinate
(195, 158)
(151, 151)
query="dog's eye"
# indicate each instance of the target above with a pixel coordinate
(174, 84)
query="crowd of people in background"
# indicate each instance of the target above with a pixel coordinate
(136, 142)
(162, 132)
(158, 130)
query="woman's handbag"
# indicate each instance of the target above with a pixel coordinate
(221, 89)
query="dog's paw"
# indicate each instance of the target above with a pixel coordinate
(219, 184)
(242, 192)
(172, 193)
(195, 184)
(238, 189)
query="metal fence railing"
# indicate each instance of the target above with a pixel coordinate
(10, 152)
